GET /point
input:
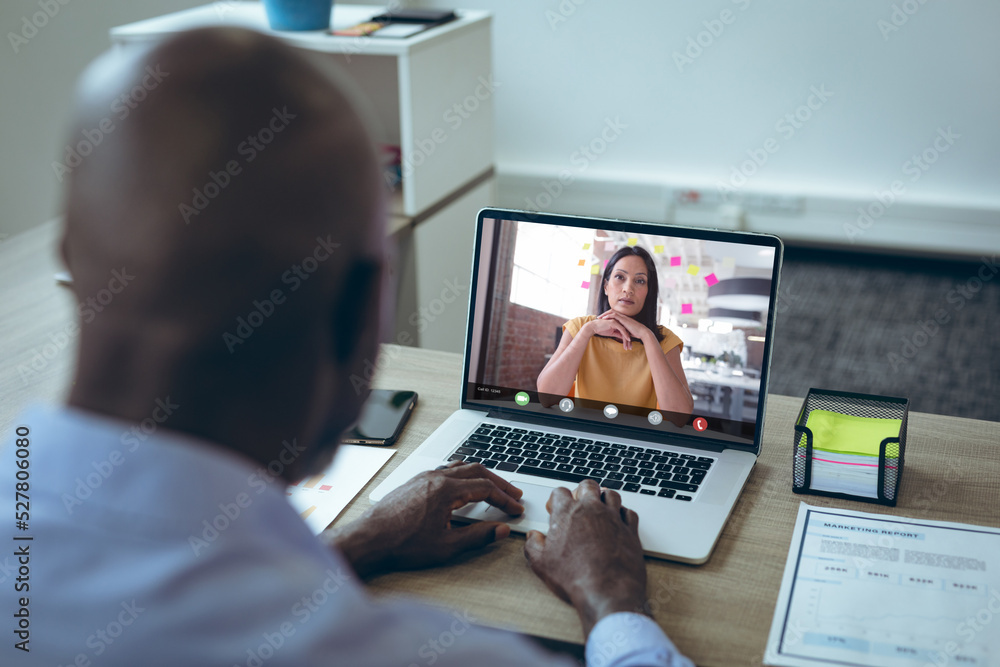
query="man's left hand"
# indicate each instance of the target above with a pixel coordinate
(411, 527)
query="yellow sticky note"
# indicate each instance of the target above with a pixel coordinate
(595, 269)
(632, 241)
(657, 249)
(848, 434)
(586, 246)
(581, 262)
(693, 270)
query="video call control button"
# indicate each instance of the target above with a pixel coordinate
(700, 424)
(566, 405)
(521, 398)
(655, 418)
(610, 411)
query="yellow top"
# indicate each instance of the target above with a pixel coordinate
(608, 372)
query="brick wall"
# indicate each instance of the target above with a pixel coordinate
(499, 300)
(526, 337)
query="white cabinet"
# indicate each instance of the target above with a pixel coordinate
(430, 94)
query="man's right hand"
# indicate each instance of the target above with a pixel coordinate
(591, 556)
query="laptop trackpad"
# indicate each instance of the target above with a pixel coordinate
(535, 516)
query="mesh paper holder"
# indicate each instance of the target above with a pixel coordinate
(867, 406)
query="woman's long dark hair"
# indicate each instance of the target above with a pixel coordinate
(647, 315)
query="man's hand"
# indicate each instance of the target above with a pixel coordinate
(411, 528)
(591, 557)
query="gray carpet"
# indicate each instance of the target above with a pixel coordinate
(914, 328)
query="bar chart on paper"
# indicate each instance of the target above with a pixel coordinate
(321, 498)
(884, 591)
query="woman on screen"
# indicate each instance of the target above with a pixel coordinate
(622, 355)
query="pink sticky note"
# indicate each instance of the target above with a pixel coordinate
(585, 284)
(687, 309)
(711, 279)
(605, 265)
(325, 487)
(675, 261)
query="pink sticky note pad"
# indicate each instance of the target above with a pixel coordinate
(711, 279)
(675, 261)
(585, 284)
(325, 487)
(687, 309)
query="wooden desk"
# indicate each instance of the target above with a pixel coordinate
(718, 613)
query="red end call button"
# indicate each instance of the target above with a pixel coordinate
(700, 424)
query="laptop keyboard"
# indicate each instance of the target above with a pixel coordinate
(629, 468)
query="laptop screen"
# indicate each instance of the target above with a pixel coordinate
(654, 329)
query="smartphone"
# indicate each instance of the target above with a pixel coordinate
(382, 418)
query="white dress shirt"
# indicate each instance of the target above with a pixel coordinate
(151, 548)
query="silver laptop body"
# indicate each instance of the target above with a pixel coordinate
(681, 473)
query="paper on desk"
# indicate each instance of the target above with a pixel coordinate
(845, 473)
(321, 498)
(871, 590)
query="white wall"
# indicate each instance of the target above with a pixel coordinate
(564, 67)
(36, 86)
(686, 127)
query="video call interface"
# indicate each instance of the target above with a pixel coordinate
(540, 285)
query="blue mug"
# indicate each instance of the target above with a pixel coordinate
(298, 14)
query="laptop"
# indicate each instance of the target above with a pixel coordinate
(680, 461)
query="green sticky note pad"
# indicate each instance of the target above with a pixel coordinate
(847, 434)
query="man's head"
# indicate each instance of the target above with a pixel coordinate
(240, 198)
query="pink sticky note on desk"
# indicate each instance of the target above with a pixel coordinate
(687, 309)
(711, 279)
(675, 261)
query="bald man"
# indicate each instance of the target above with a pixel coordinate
(235, 219)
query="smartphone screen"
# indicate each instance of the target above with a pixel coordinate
(382, 417)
